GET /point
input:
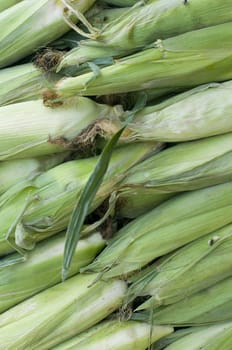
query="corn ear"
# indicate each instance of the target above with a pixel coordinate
(45, 19)
(143, 24)
(189, 270)
(41, 268)
(46, 130)
(43, 207)
(174, 223)
(22, 83)
(74, 306)
(120, 335)
(209, 306)
(14, 171)
(187, 60)
(209, 338)
(184, 167)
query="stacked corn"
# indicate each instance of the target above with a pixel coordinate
(105, 247)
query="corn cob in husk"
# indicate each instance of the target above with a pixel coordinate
(41, 268)
(22, 83)
(174, 223)
(12, 172)
(118, 335)
(42, 207)
(46, 130)
(210, 306)
(218, 337)
(189, 270)
(59, 313)
(144, 24)
(184, 167)
(187, 60)
(32, 24)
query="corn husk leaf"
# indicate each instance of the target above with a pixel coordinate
(209, 338)
(32, 211)
(4, 4)
(210, 306)
(74, 306)
(22, 83)
(46, 130)
(184, 167)
(45, 18)
(120, 335)
(189, 270)
(41, 268)
(141, 25)
(187, 60)
(14, 171)
(174, 223)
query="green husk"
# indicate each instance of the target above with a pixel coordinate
(171, 225)
(22, 83)
(12, 172)
(43, 207)
(4, 4)
(118, 335)
(209, 338)
(41, 268)
(46, 130)
(121, 2)
(187, 60)
(175, 119)
(31, 24)
(212, 305)
(59, 313)
(143, 24)
(189, 270)
(183, 167)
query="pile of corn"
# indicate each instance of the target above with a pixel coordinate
(133, 252)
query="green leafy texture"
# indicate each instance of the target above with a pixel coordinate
(209, 338)
(147, 22)
(119, 335)
(189, 270)
(187, 60)
(46, 130)
(59, 313)
(184, 167)
(121, 2)
(210, 306)
(41, 268)
(89, 192)
(31, 24)
(171, 225)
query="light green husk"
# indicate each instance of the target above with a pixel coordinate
(187, 60)
(41, 268)
(99, 16)
(59, 313)
(22, 83)
(32, 24)
(46, 130)
(174, 223)
(189, 270)
(118, 335)
(144, 24)
(12, 172)
(212, 305)
(176, 120)
(184, 167)
(42, 207)
(218, 337)
(4, 4)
